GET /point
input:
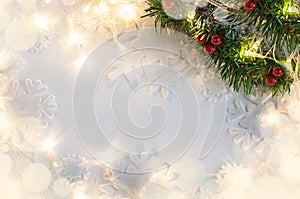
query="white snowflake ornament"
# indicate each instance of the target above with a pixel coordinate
(74, 168)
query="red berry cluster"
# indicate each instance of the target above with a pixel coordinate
(209, 48)
(277, 72)
(250, 5)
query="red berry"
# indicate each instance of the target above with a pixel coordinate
(209, 49)
(278, 72)
(271, 80)
(201, 39)
(249, 6)
(168, 4)
(216, 40)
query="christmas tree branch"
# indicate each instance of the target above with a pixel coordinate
(237, 53)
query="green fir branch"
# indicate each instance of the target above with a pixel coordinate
(270, 19)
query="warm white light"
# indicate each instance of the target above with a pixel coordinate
(293, 9)
(127, 12)
(270, 118)
(86, 8)
(48, 145)
(114, 1)
(74, 37)
(191, 15)
(79, 195)
(250, 53)
(40, 21)
(154, 177)
(256, 45)
(5, 122)
(102, 9)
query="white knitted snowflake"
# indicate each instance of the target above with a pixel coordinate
(30, 98)
(253, 113)
(74, 168)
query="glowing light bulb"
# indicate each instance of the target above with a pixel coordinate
(270, 118)
(74, 37)
(249, 53)
(293, 9)
(256, 45)
(191, 15)
(154, 177)
(127, 12)
(41, 22)
(48, 145)
(86, 8)
(102, 9)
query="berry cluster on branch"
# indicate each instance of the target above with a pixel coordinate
(255, 45)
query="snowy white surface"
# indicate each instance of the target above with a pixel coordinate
(105, 107)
